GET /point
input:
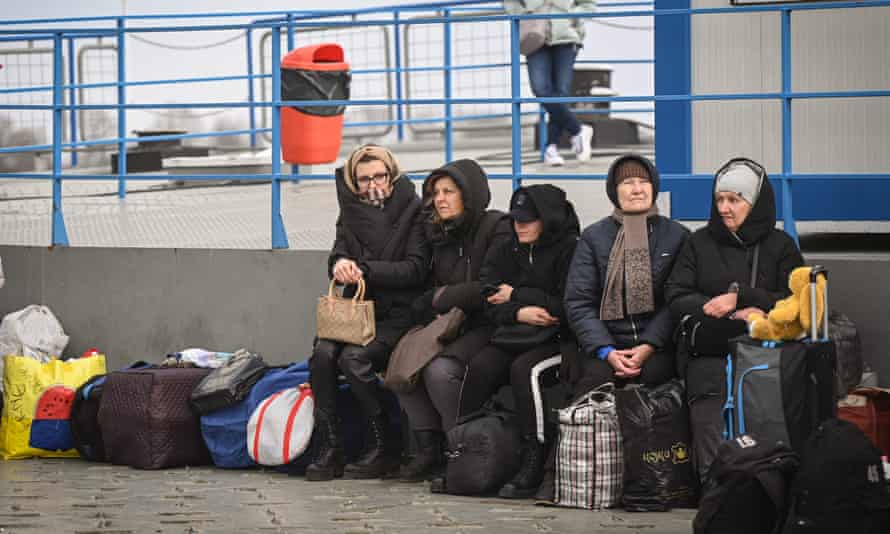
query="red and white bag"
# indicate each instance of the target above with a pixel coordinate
(280, 427)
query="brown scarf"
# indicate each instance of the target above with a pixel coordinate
(629, 263)
(374, 197)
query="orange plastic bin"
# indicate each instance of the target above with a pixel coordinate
(313, 134)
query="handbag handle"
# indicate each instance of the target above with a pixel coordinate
(359, 293)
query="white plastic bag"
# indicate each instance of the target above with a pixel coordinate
(33, 332)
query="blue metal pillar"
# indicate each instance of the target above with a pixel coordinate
(250, 95)
(397, 42)
(673, 120)
(279, 235)
(72, 99)
(290, 32)
(59, 235)
(121, 110)
(787, 154)
(446, 63)
(515, 106)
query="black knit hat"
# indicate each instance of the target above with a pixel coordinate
(630, 166)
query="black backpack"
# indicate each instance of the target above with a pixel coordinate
(747, 488)
(483, 452)
(840, 486)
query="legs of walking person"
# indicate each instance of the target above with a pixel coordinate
(487, 371)
(359, 366)
(550, 72)
(323, 371)
(529, 372)
(432, 410)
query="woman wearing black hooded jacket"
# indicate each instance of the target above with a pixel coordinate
(380, 240)
(530, 273)
(737, 265)
(462, 232)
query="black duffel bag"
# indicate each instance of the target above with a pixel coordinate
(483, 452)
(229, 384)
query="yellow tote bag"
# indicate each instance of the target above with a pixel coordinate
(37, 400)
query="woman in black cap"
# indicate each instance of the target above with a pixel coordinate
(529, 274)
(737, 265)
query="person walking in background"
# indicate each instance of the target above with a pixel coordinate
(550, 70)
(379, 240)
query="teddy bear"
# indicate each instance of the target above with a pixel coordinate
(790, 317)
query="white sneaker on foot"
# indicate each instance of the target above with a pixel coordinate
(581, 143)
(552, 157)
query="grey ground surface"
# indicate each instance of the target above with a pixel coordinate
(80, 497)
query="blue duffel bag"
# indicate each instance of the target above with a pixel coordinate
(225, 431)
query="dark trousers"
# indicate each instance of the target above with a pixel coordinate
(494, 367)
(358, 364)
(550, 72)
(657, 370)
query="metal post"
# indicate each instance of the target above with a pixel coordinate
(72, 99)
(290, 32)
(59, 235)
(542, 131)
(449, 130)
(787, 154)
(516, 107)
(250, 96)
(397, 40)
(121, 110)
(279, 236)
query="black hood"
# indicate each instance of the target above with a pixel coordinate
(611, 181)
(473, 184)
(555, 211)
(759, 223)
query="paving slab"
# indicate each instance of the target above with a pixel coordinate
(75, 496)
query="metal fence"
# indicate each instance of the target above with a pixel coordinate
(371, 112)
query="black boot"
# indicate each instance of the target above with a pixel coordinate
(546, 493)
(427, 460)
(525, 483)
(374, 461)
(329, 461)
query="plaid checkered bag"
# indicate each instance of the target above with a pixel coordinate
(589, 454)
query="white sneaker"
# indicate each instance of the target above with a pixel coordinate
(581, 143)
(552, 157)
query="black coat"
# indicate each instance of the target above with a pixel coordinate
(713, 258)
(586, 283)
(710, 261)
(459, 247)
(390, 248)
(537, 272)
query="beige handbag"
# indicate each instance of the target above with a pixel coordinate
(346, 320)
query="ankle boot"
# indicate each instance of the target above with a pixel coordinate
(428, 458)
(374, 461)
(329, 461)
(525, 483)
(546, 493)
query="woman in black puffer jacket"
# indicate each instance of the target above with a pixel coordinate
(737, 265)
(380, 240)
(462, 232)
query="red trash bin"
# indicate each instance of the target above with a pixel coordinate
(313, 134)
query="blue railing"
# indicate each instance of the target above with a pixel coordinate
(61, 35)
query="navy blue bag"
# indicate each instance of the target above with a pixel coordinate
(225, 430)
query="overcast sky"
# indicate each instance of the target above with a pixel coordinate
(148, 61)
